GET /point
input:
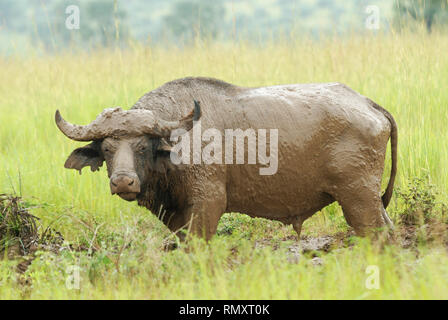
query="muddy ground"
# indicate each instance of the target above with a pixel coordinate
(22, 235)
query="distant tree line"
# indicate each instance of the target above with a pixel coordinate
(427, 11)
(103, 21)
(115, 22)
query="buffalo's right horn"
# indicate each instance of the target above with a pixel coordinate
(115, 122)
(96, 130)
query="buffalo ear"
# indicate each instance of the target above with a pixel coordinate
(90, 155)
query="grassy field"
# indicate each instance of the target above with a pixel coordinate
(121, 254)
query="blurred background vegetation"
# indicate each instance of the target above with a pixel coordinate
(40, 24)
(403, 66)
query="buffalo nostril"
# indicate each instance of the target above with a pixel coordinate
(124, 184)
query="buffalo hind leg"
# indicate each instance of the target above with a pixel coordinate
(362, 207)
(387, 219)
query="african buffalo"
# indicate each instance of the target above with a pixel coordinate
(332, 144)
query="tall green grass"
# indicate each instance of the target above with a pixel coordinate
(406, 73)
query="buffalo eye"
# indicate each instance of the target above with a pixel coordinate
(107, 149)
(141, 149)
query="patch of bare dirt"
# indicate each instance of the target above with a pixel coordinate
(406, 235)
(309, 246)
(433, 232)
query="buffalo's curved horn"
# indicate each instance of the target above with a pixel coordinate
(74, 132)
(164, 128)
(96, 130)
(115, 122)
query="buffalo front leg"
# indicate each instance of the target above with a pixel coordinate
(201, 214)
(202, 218)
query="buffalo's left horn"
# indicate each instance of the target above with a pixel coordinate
(163, 128)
